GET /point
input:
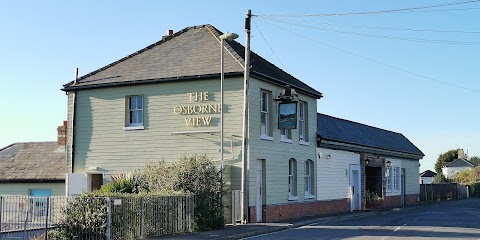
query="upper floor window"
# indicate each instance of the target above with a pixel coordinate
(302, 121)
(286, 135)
(134, 111)
(265, 102)
(309, 171)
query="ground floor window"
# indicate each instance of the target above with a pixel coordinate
(292, 176)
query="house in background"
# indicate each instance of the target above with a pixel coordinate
(355, 159)
(450, 169)
(34, 168)
(426, 177)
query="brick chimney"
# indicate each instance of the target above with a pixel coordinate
(169, 34)
(62, 134)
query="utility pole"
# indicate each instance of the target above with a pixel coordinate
(244, 186)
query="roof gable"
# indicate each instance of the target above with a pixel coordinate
(345, 131)
(32, 161)
(190, 54)
(428, 173)
(461, 163)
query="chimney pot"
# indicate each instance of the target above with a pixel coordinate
(170, 32)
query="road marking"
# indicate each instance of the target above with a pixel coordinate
(398, 228)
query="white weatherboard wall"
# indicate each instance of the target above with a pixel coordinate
(276, 153)
(449, 172)
(333, 179)
(426, 180)
(58, 189)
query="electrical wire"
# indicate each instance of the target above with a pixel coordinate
(382, 36)
(374, 12)
(375, 27)
(376, 61)
(271, 49)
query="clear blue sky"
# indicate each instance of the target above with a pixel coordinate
(41, 43)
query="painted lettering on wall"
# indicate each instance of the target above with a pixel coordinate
(198, 106)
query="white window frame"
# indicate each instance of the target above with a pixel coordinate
(292, 181)
(265, 101)
(129, 124)
(303, 122)
(309, 172)
(286, 135)
(388, 178)
(395, 179)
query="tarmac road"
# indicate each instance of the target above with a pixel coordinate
(448, 220)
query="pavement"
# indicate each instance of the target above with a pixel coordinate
(253, 229)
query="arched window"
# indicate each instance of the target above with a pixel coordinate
(292, 177)
(309, 173)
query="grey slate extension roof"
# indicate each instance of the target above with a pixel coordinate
(428, 173)
(345, 131)
(190, 54)
(32, 162)
(461, 163)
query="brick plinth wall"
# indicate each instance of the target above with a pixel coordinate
(274, 213)
(411, 199)
(392, 201)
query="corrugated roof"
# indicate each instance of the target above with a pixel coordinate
(345, 131)
(32, 161)
(190, 54)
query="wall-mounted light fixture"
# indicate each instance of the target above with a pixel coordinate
(367, 161)
(419, 164)
(388, 163)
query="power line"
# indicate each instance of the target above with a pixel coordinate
(383, 36)
(375, 27)
(377, 62)
(271, 49)
(374, 12)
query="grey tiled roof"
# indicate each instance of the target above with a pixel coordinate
(461, 163)
(190, 54)
(428, 173)
(32, 161)
(345, 131)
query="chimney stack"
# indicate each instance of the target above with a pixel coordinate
(169, 34)
(461, 154)
(62, 134)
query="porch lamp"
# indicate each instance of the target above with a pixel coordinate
(367, 161)
(389, 163)
(229, 37)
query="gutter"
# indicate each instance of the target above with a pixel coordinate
(365, 149)
(69, 87)
(22, 180)
(266, 78)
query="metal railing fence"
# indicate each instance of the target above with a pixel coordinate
(80, 217)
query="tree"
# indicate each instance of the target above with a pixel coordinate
(448, 156)
(474, 159)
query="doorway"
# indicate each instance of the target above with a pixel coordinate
(355, 191)
(402, 188)
(260, 190)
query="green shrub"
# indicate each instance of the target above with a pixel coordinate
(474, 189)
